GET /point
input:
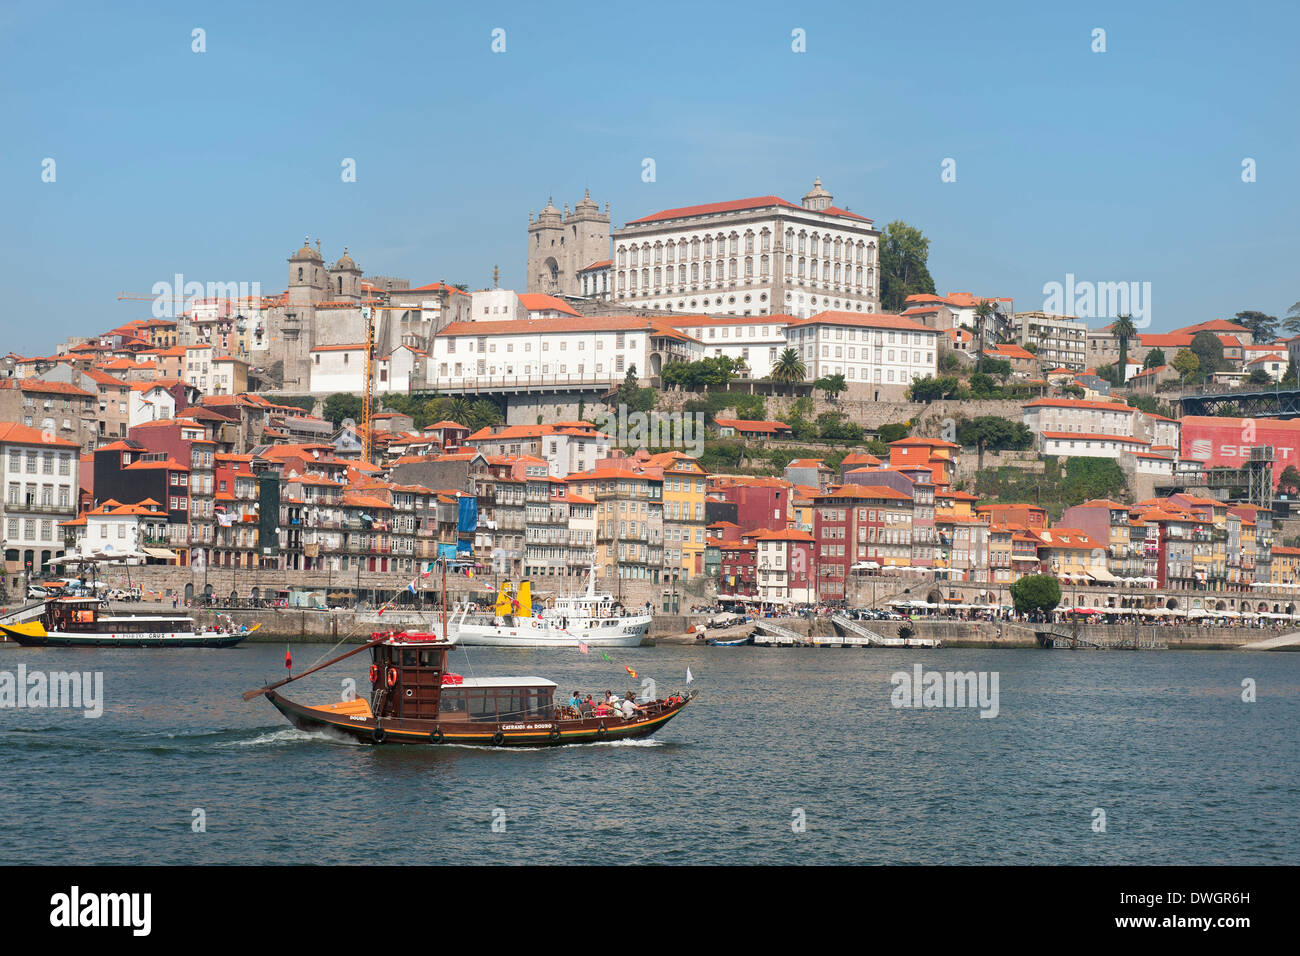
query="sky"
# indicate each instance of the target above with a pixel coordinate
(1117, 166)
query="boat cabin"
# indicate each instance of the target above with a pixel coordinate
(410, 679)
(499, 699)
(84, 615)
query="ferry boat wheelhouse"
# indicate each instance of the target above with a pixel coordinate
(414, 700)
(593, 618)
(81, 622)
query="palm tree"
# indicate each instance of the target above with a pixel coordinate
(1123, 329)
(982, 313)
(460, 408)
(789, 369)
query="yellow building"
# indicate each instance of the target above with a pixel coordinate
(1285, 563)
(684, 481)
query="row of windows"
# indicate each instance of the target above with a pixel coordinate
(835, 247)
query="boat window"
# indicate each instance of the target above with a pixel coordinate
(453, 702)
(510, 703)
(409, 657)
(430, 658)
(482, 705)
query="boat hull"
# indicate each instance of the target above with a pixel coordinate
(43, 638)
(630, 632)
(533, 733)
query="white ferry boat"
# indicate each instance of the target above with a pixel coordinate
(592, 618)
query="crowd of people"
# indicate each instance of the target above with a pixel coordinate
(611, 706)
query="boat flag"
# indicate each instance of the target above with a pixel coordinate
(288, 659)
(607, 657)
(411, 587)
(630, 671)
(582, 648)
(689, 678)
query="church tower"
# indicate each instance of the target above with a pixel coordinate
(307, 277)
(560, 245)
(345, 280)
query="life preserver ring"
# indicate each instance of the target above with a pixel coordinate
(378, 735)
(374, 673)
(436, 735)
(554, 734)
(601, 731)
(392, 677)
(498, 739)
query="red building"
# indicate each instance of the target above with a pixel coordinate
(854, 527)
(761, 503)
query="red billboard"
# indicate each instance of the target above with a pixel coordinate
(1226, 442)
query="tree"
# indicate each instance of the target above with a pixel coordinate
(1292, 376)
(832, 385)
(995, 366)
(789, 368)
(1035, 592)
(929, 389)
(983, 311)
(1187, 364)
(1209, 352)
(1292, 321)
(895, 432)
(903, 271)
(1123, 329)
(341, 407)
(482, 414)
(1258, 376)
(1263, 327)
(1290, 480)
(1155, 358)
(1111, 374)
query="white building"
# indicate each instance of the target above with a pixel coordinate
(41, 481)
(149, 402)
(115, 529)
(493, 305)
(756, 340)
(1090, 445)
(877, 351)
(1058, 340)
(587, 349)
(758, 256)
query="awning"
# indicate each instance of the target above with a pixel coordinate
(1101, 574)
(160, 553)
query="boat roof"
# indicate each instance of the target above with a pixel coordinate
(143, 617)
(502, 682)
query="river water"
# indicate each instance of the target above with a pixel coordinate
(789, 755)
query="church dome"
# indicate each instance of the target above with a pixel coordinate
(550, 211)
(345, 261)
(586, 204)
(817, 197)
(307, 252)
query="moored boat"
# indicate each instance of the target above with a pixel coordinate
(415, 700)
(592, 618)
(81, 622)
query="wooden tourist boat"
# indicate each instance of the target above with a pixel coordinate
(81, 622)
(415, 700)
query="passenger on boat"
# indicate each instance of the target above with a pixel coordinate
(602, 710)
(587, 707)
(576, 700)
(630, 707)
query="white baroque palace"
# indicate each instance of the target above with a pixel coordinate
(759, 256)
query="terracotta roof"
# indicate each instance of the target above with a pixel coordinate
(16, 434)
(738, 205)
(867, 320)
(540, 302)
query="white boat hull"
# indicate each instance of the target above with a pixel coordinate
(628, 632)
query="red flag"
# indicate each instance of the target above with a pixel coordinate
(288, 659)
(630, 671)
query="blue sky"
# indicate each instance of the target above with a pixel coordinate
(1115, 166)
